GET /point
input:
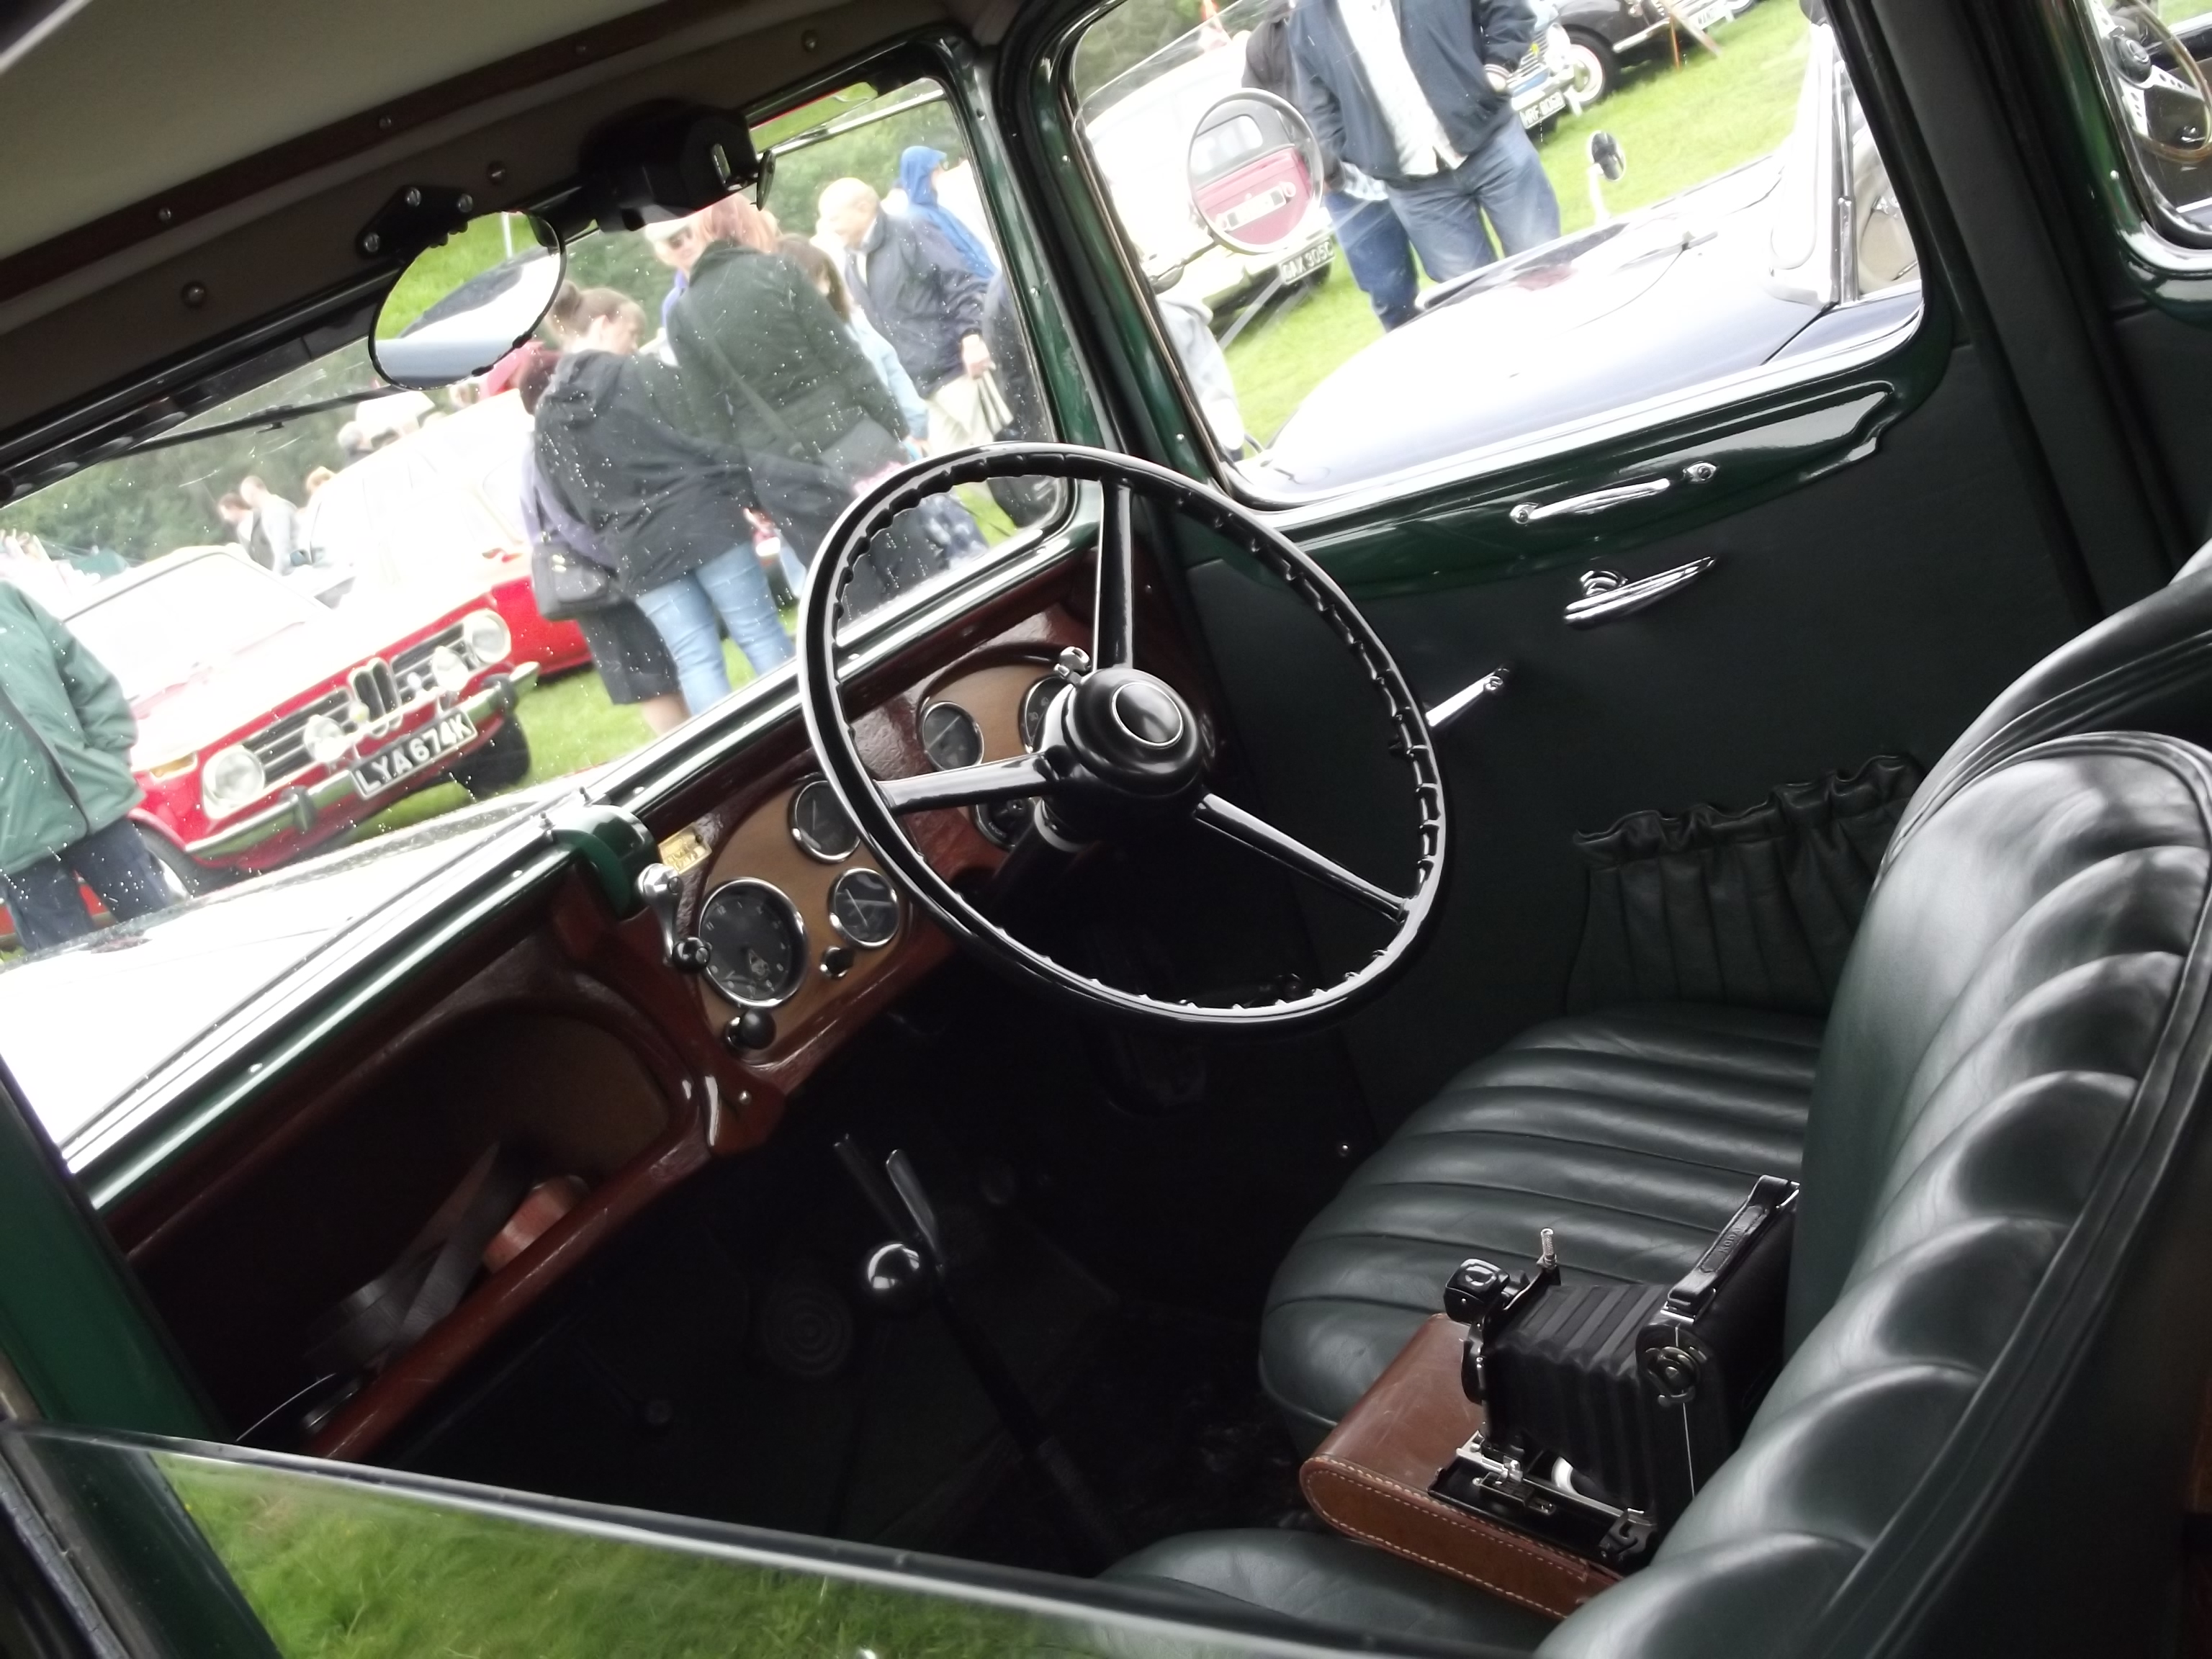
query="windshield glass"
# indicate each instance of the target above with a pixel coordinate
(185, 617)
(327, 610)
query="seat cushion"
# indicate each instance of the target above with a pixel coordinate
(1633, 1133)
(1328, 1580)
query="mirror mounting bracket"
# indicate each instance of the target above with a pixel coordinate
(418, 216)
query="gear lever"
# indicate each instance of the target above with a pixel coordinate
(917, 1254)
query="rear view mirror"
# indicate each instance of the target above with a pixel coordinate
(1254, 172)
(460, 306)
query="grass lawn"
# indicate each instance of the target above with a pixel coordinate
(1679, 128)
(335, 1572)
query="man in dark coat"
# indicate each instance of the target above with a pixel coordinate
(771, 371)
(922, 297)
(1414, 92)
(66, 788)
(1374, 242)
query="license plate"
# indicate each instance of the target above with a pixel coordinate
(391, 767)
(1705, 17)
(1305, 263)
(1544, 108)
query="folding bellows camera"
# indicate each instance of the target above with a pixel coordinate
(1606, 1407)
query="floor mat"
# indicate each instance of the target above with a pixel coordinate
(1167, 1422)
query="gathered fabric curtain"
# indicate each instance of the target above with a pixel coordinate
(1755, 909)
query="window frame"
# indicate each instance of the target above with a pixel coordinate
(1905, 363)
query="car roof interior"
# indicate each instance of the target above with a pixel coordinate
(247, 190)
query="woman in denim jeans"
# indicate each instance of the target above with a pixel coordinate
(670, 505)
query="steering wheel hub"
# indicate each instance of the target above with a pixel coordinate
(1135, 736)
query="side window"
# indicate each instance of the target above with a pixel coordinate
(2150, 58)
(1391, 235)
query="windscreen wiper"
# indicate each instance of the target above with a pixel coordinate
(268, 419)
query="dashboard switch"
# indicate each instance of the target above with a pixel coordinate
(753, 1029)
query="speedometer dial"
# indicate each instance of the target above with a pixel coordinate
(864, 907)
(756, 943)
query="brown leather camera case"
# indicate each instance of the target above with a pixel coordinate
(1371, 1479)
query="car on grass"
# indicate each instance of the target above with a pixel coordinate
(438, 511)
(269, 724)
(1602, 36)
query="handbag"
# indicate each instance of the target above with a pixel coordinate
(564, 585)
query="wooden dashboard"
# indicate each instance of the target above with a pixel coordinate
(563, 1040)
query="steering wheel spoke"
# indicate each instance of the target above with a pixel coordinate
(969, 785)
(1228, 818)
(1114, 627)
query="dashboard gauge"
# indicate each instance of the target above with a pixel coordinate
(818, 823)
(950, 737)
(1003, 821)
(864, 907)
(1035, 702)
(756, 942)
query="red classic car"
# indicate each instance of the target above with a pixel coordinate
(442, 505)
(269, 723)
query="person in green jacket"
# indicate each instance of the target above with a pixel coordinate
(65, 783)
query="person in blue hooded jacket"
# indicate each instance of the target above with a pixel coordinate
(920, 167)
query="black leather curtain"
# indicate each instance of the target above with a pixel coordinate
(1754, 909)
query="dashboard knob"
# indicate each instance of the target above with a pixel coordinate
(753, 1029)
(896, 1279)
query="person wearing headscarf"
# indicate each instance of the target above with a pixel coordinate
(919, 168)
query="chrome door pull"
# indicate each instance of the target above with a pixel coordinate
(1597, 501)
(1466, 697)
(1605, 595)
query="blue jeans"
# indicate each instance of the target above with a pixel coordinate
(732, 587)
(1376, 249)
(1442, 213)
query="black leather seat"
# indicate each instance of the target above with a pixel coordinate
(1998, 1310)
(1633, 1133)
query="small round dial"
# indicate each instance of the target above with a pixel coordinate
(755, 941)
(950, 737)
(818, 823)
(1035, 702)
(864, 907)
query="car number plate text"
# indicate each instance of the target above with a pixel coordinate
(1705, 17)
(1306, 264)
(1544, 108)
(391, 767)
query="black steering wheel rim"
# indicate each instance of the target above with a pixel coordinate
(876, 817)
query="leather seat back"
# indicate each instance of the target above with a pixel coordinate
(1999, 1312)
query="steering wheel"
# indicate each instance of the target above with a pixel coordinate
(1121, 750)
(2133, 38)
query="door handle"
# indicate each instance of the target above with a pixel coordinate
(1597, 501)
(1605, 595)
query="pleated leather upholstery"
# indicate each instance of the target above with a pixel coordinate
(2018, 1049)
(1633, 1133)
(2001, 1296)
